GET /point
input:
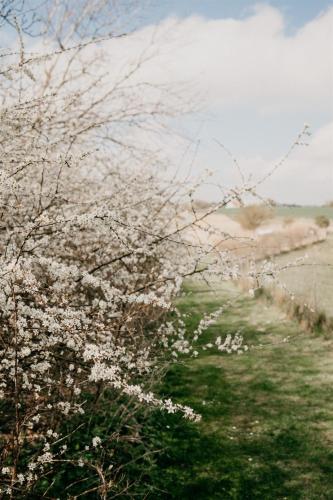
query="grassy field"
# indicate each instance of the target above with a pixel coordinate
(267, 426)
(308, 212)
(311, 281)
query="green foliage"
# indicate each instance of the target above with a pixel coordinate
(127, 452)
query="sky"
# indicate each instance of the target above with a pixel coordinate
(257, 72)
(262, 70)
(296, 12)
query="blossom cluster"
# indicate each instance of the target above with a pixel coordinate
(94, 247)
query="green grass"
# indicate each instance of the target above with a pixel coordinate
(267, 415)
(312, 280)
(308, 212)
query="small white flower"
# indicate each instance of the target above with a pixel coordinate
(96, 441)
(20, 478)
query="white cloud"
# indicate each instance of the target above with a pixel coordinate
(243, 71)
(305, 177)
(308, 174)
(237, 63)
(252, 65)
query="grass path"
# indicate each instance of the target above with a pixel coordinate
(267, 427)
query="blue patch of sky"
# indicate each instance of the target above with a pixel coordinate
(296, 12)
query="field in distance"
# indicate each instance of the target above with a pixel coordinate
(306, 212)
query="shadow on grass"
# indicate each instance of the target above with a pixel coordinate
(261, 435)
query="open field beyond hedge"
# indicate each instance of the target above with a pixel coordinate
(267, 427)
(306, 212)
(311, 282)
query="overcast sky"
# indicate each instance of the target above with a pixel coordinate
(263, 70)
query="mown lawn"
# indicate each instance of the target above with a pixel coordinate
(267, 415)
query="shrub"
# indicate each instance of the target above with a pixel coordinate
(94, 249)
(322, 221)
(253, 216)
(288, 220)
(202, 204)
